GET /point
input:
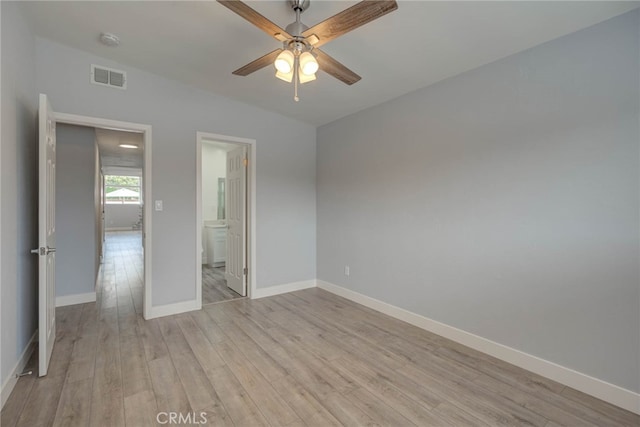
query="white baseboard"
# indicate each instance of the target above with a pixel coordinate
(169, 309)
(603, 390)
(185, 306)
(75, 299)
(11, 381)
(119, 229)
(283, 289)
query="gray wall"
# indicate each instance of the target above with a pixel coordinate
(285, 165)
(76, 245)
(18, 187)
(503, 201)
(117, 217)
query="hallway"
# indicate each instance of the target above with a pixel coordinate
(121, 278)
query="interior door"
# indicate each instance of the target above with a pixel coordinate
(46, 234)
(236, 202)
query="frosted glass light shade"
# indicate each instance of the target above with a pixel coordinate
(304, 78)
(287, 77)
(284, 62)
(308, 64)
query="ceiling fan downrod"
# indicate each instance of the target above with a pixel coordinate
(297, 28)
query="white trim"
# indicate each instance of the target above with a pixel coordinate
(146, 226)
(119, 229)
(199, 247)
(251, 208)
(2, 386)
(146, 191)
(65, 300)
(253, 239)
(11, 380)
(170, 309)
(283, 289)
(608, 392)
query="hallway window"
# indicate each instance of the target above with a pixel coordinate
(122, 190)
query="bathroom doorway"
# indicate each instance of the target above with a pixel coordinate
(223, 223)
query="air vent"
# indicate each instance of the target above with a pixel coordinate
(104, 76)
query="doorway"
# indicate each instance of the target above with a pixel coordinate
(117, 133)
(48, 120)
(225, 220)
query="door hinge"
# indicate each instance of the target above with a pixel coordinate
(245, 161)
(245, 271)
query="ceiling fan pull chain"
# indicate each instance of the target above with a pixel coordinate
(295, 79)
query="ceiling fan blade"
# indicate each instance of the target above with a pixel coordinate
(350, 19)
(259, 63)
(336, 69)
(256, 19)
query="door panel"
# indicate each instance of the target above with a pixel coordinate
(236, 191)
(46, 234)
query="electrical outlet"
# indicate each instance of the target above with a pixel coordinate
(346, 270)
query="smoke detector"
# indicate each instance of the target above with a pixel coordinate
(109, 39)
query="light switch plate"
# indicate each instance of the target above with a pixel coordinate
(158, 205)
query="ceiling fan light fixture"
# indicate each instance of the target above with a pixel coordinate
(304, 78)
(284, 62)
(308, 64)
(287, 77)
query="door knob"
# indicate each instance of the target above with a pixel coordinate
(43, 251)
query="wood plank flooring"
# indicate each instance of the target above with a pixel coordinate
(214, 286)
(304, 358)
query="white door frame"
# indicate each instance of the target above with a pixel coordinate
(251, 208)
(100, 123)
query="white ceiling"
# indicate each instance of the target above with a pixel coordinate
(112, 155)
(201, 43)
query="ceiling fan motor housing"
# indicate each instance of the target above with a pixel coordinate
(302, 5)
(296, 29)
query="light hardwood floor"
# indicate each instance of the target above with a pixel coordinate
(214, 286)
(304, 358)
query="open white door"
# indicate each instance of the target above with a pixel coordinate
(46, 234)
(236, 202)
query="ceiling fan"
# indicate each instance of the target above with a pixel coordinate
(299, 58)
